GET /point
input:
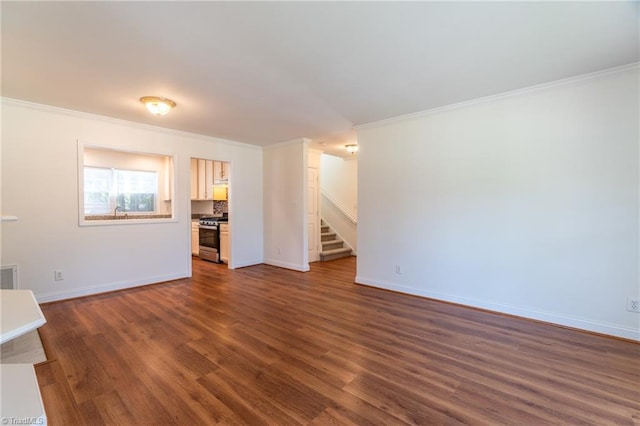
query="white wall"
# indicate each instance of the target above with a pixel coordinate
(202, 207)
(39, 185)
(340, 181)
(285, 205)
(525, 204)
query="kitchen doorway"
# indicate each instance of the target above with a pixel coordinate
(210, 219)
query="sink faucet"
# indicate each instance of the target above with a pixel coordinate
(115, 211)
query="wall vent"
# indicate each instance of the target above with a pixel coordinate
(9, 277)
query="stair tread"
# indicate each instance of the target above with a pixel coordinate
(336, 251)
(329, 238)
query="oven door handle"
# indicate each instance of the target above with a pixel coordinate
(214, 228)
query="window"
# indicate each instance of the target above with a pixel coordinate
(120, 187)
(131, 191)
(97, 183)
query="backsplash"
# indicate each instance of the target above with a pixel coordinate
(220, 207)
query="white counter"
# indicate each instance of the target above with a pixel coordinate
(20, 399)
(19, 314)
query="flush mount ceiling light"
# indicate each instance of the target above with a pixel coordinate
(156, 105)
(352, 148)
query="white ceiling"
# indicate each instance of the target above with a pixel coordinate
(267, 72)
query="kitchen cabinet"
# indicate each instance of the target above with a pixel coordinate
(204, 174)
(221, 171)
(224, 242)
(201, 179)
(226, 171)
(204, 178)
(195, 238)
(208, 180)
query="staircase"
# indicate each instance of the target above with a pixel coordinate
(332, 246)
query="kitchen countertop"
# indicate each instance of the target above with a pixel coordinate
(196, 216)
(127, 217)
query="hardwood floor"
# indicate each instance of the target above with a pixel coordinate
(263, 345)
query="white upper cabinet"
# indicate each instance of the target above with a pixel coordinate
(221, 171)
(204, 174)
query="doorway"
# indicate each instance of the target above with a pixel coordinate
(210, 196)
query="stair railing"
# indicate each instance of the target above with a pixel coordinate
(339, 207)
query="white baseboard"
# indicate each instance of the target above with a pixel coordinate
(52, 296)
(287, 265)
(568, 321)
(243, 263)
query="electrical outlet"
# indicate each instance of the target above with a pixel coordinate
(57, 275)
(399, 269)
(633, 305)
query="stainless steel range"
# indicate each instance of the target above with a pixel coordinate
(209, 238)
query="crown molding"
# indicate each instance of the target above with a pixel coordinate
(117, 121)
(504, 95)
(296, 141)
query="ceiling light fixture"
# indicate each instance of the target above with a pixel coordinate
(352, 148)
(156, 105)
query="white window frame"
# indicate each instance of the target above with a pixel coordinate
(132, 216)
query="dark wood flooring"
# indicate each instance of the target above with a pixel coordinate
(263, 345)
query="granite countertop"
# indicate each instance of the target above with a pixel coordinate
(123, 216)
(127, 217)
(196, 216)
